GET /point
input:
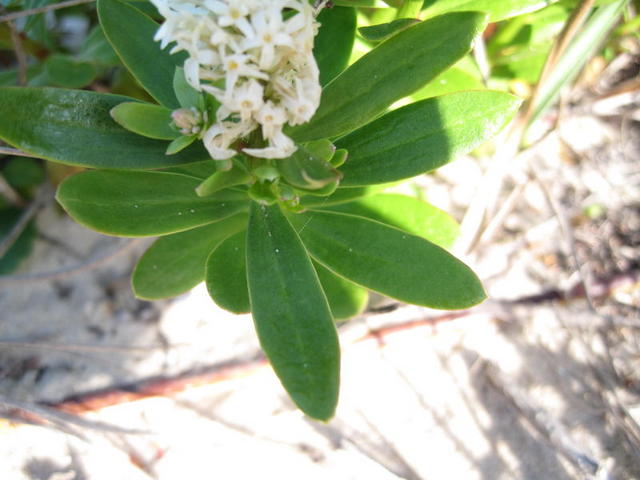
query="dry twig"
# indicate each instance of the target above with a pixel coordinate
(15, 152)
(44, 196)
(47, 8)
(93, 262)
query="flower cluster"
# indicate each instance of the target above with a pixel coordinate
(255, 57)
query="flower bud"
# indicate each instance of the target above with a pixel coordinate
(187, 120)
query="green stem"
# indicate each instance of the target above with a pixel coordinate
(409, 9)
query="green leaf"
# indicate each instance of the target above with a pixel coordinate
(74, 127)
(384, 31)
(497, 9)
(131, 33)
(452, 80)
(186, 94)
(138, 204)
(357, 3)
(334, 41)
(388, 260)
(291, 313)
(578, 53)
(226, 274)
(180, 143)
(200, 170)
(394, 69)
(341, 195)
(23, 245)
(146, 119)
(23, 172)
(175, 263)
(306, 171)
(406, 213)
(64, 71)
(424, 136)
(97, 49)
(346, 299)
(223, 179)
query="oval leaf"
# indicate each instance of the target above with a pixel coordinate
(138, 204)
(424, 136)
(186, 94)
(146, 119)
(388, 260)
(497, 9)
(131, 33)
(64, 71)
(334, 41)
(346, 299)
(226, 274)
(175, 263)
(394, 69)
(406, 213)
(291, 313)
(341, 195)
(74, 127)
(383, 31)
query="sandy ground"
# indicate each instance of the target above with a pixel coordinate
(539, 382)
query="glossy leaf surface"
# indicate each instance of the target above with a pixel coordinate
(332, 46)
(226, 274)
(406, 213)
(394, 69)
(388, 260)
(175, 263)
(138, 204)
(74, 127)
(424, 136)
(383, 31)
(146, 119)
(291, 313)
(131, 33)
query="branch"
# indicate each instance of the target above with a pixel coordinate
(89, 264)
(32, 11)
(16, 153)
(44, 196)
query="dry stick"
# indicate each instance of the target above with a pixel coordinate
(36, 412)
(481, 58)
(91, 263)
(21, 56)
(16, 153)
(154, 387)
(9, 193)
(56, 6)
(7, 190)
(80, 348)
(44, 196)
(617, 409)
(571, 28)
(550, 428)
(491, 186)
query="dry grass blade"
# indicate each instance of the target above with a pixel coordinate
(41, 415)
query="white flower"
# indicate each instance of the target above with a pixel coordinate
(280, 146)
(271, 118)
(258, 65)
(248, 99)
